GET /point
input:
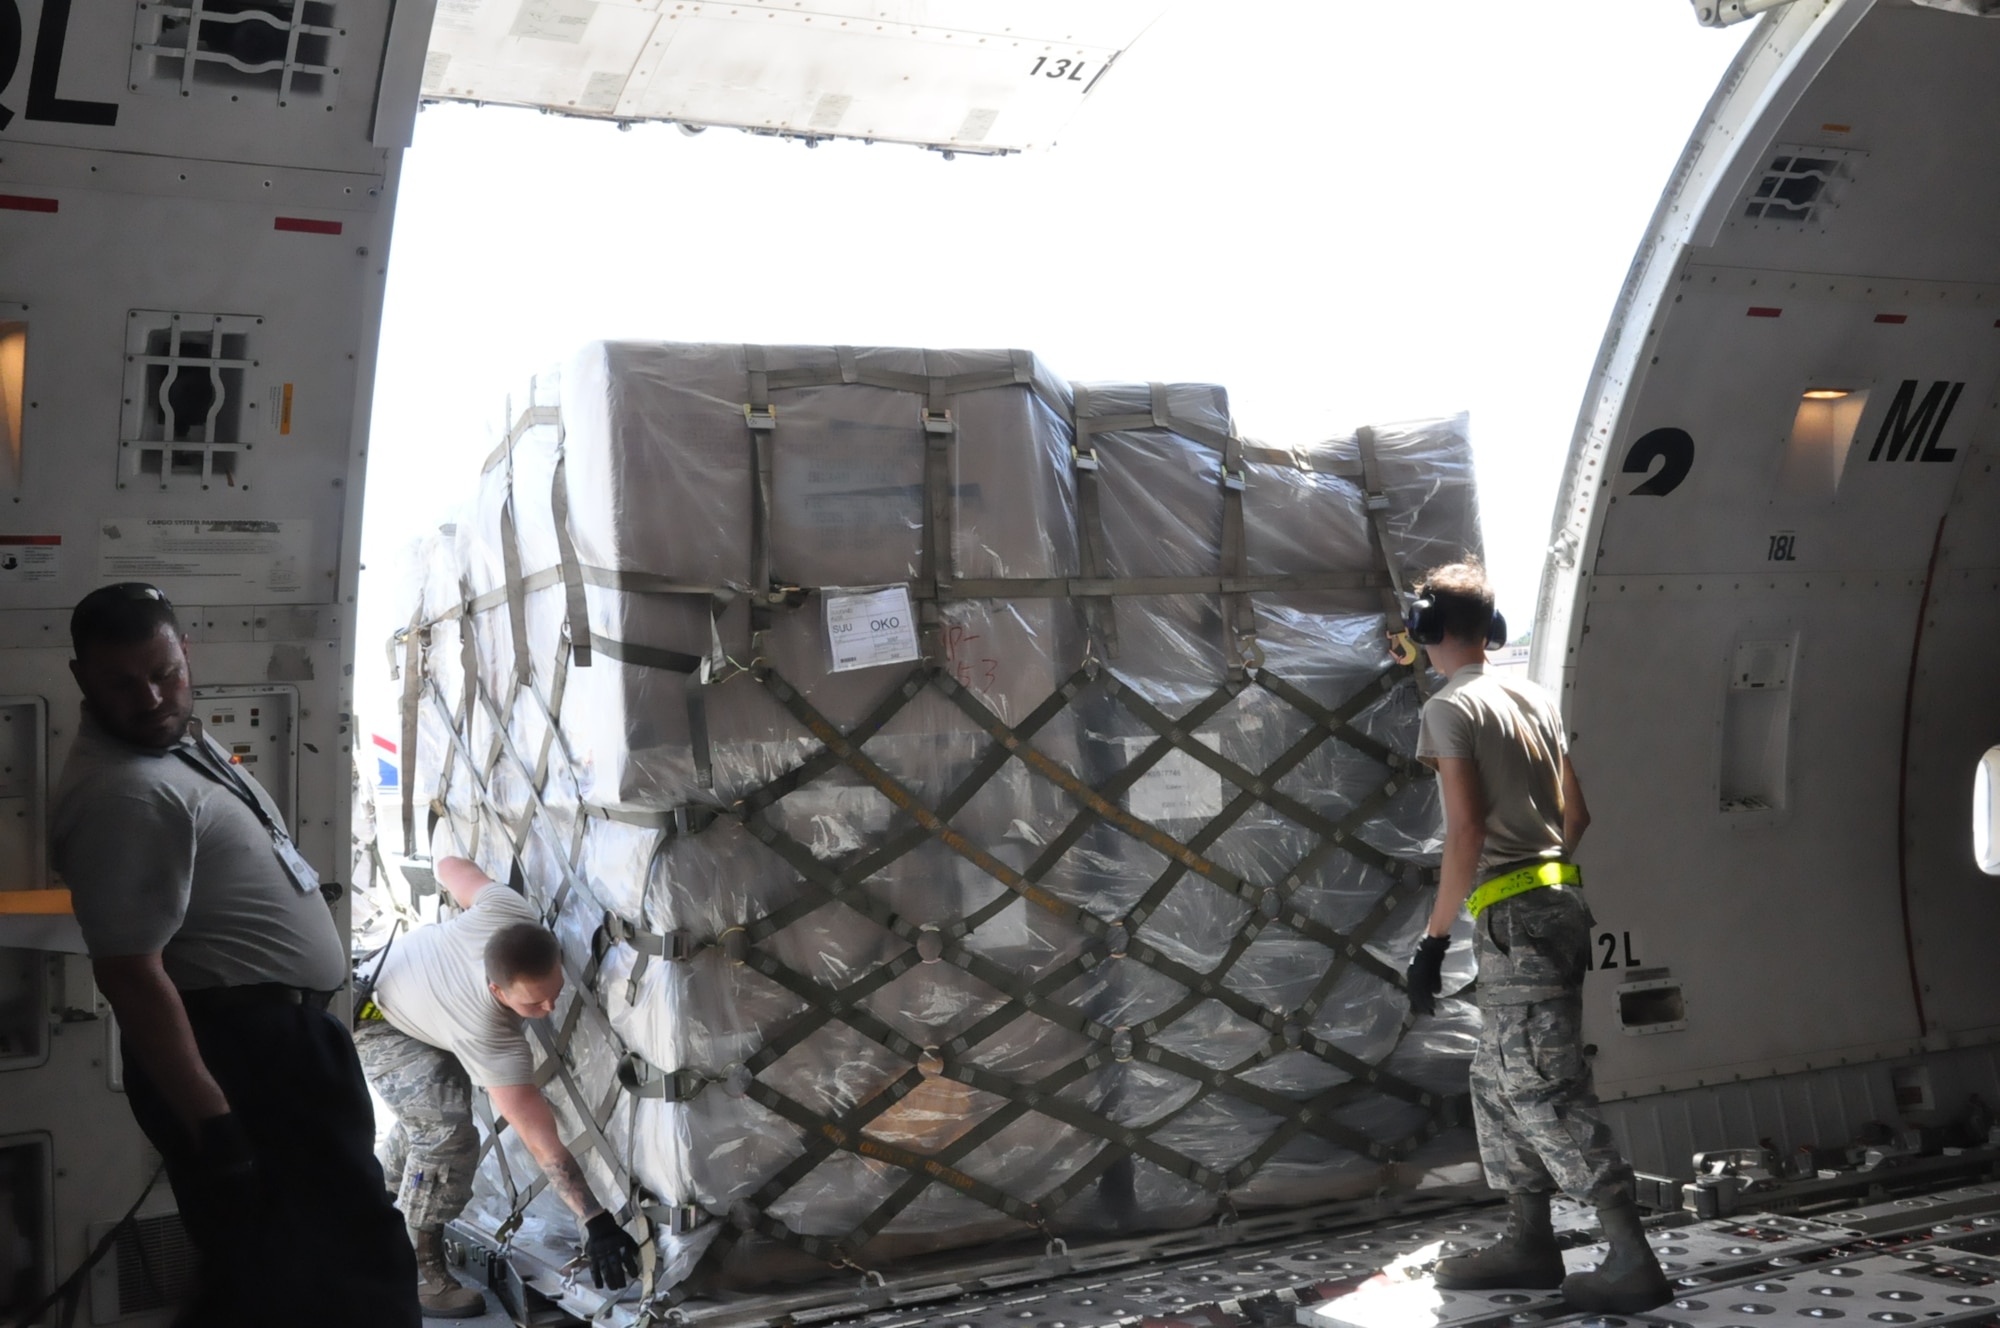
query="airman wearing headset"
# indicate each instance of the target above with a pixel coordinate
(1514, 811)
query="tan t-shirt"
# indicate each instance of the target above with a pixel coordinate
(433, 987)
(1512, 732)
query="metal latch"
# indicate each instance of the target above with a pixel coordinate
(760, 417)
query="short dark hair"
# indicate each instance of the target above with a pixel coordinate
(521, 950)
(120, 615)
(1463, 598)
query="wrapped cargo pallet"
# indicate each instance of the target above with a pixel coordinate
(972, 805)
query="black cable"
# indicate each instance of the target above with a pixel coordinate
(74, 1281)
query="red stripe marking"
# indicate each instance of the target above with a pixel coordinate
(384, 743)
(307, 225)
(30, 539)
(21, 203)
(1764, 311)
(1892, 318)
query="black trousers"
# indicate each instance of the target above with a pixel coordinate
(328, 1248)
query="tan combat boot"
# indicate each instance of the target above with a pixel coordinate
(1526, 1255)
(1629, 1281)
(439, 1294)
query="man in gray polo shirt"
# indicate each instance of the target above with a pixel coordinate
(446, 1014)
(209, 935)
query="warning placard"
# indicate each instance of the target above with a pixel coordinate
(27, 559)
(869, 625)
(207, 562)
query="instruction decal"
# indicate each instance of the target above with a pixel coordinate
(28, 559)
(1178, 788)
(1673, 448)
(868, 626)
(206, 562)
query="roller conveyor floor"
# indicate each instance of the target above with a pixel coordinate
(1912, 1245)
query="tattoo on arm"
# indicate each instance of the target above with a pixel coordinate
(565, 1175)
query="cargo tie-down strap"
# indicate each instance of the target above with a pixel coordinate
(490, 744)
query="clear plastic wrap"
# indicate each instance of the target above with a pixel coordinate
(967, 976)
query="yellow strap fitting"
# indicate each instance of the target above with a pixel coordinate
(1520, 882)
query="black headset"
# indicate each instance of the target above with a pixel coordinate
(1424, 621)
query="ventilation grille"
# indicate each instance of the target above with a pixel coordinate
(188, 412)
(156, 1264)
(234, 48)
(150, 1267)
(1800, 185)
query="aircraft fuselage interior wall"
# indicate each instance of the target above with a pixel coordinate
(1772, 605)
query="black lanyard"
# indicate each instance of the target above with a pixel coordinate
(223, 771)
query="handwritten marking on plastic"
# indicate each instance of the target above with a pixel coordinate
(869, 626)
(965, 661)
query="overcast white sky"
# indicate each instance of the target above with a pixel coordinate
(1344, 212)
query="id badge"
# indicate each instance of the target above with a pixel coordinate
(296, 866)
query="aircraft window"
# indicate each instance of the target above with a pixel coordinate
(1986, 812)
(187, 409)
(13, 374)
(234, 46)
(1792, 189)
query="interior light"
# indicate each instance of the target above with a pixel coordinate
(1827, 393)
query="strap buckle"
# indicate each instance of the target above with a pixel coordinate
(760, 418)
(938, 421)
(1234, 480)
(1085, 458)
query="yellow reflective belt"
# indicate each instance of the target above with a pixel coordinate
(1522, 881)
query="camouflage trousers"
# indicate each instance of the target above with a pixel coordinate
(1533, 1103)
(430, 1154)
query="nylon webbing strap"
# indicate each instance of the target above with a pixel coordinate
(517, 600)
(1098, 609)
(414, 642)
(1239, 615)
(533, 417)
(934, 576)
(762, 418)
(1377, 501)
(576, 608)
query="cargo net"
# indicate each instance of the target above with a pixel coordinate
(956, 970)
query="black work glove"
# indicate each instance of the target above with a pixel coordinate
(1425, 976)
(228, 1168)
(613, 1255)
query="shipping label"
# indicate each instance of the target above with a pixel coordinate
(867, 626)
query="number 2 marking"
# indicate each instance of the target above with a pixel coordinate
(1610, 941)
(1066, 69)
